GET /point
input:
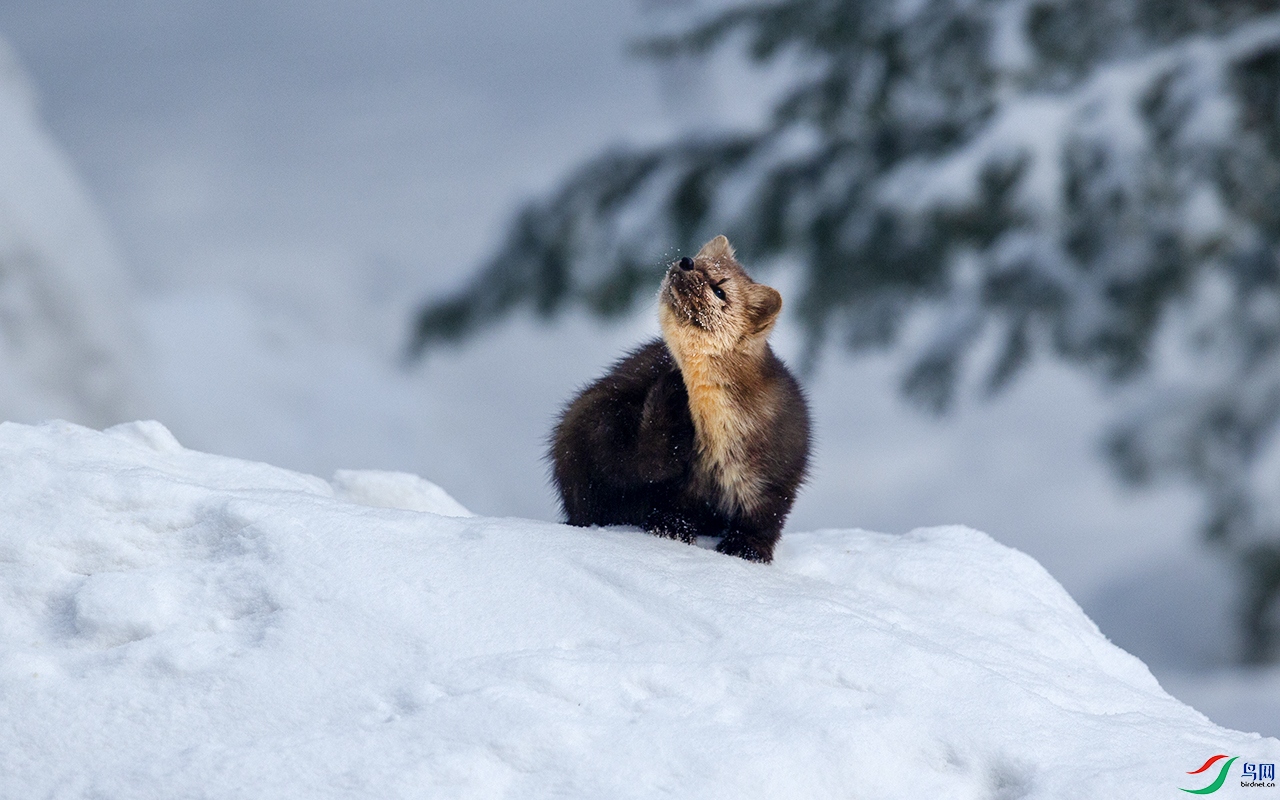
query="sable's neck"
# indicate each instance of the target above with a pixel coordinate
(722, 382)
(738, 368)
(723, 372)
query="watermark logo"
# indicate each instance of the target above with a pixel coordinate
(1263, 775)
(1218, 781)
(1251, 775)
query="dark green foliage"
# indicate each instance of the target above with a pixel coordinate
(1261, 612)
(1066, 177)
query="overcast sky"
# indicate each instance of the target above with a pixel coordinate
(403, 131)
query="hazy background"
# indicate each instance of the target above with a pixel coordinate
(285, 182)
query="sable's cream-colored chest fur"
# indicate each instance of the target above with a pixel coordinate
(724, 423)
(715, 321)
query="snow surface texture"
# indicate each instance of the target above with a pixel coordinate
(65, 326)
(177, 624)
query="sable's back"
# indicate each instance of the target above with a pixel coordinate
(793, 426)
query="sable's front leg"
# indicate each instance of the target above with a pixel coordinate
(664, 441)
(753, 536)
(752, 546)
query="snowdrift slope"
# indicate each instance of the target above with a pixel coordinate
(175, 624)
(67, 337)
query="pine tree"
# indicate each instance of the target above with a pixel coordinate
(1074, 178)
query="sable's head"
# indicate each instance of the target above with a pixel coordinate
(710, 305)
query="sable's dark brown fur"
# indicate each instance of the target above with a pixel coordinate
(703, 432)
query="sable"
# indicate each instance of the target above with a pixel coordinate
(703, 432)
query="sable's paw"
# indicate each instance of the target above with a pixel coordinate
(671, 526)
(736, 545)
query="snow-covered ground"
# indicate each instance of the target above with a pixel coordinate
(179, 624)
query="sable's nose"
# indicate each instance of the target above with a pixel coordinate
(686, 263)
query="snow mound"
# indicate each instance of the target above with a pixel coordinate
(177, 624)
(66, 326)
(382, 489)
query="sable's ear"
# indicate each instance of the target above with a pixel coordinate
(718, 249)
(765, 304)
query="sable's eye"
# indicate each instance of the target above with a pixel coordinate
(715, 287)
